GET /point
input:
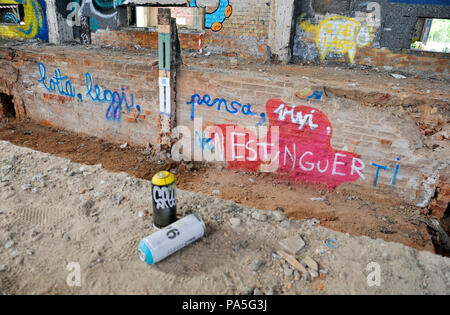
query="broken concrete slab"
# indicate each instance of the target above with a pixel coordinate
(292, 244)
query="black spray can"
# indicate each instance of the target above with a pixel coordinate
(164, 199)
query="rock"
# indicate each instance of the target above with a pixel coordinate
(311, 263)
(118, 198)
(3, 268)
(292, 244)
(323, 271)
(288, 272)
(216, 192)
(1, 212)
(314, 221)
(257, 291)
(235, 222)
(29, 252)
(387, 230)
(66, 237)
(123, 146)
(255, 265)
(9, 244)
(259, 215)
(313, 273)
(247, 291)
(15, 253)
(34, 233)
(285, 224)
(278, 216)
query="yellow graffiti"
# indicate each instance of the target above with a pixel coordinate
(34, 24)
(306, 25)
(339, 34)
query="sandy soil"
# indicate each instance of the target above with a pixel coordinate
(55, 212)
(363, 213)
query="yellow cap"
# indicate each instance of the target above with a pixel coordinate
(163, 178)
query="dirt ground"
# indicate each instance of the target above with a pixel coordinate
(69, 228)
(338, 210)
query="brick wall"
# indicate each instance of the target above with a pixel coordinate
(375, 135)
(243, 34)
(328, 129)
(422, 64)
(71, 106)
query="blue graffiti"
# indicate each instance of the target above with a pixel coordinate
(316, 95)
(56, 82)
(11, 18)
(233, 108)
(115, 99)
(203, 141)
(387, 168)
(214, 20)
(94, 24)
(63, 86)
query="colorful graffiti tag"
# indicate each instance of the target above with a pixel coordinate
(34, 24)
(339, 34)
(100, 11)
(214, 20)
(62, 85)
(298, 143)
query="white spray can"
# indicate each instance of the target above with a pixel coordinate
(170, 239)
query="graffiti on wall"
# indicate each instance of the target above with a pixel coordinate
(114, 99)
(214, 20)
(102, 12)
(339, 34)
(298, 142)
(233, 107)
(34, 24)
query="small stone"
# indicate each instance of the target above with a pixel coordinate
(15, 253)
(296, 275)
(311, 263)
(118, 198)
(292, 244)
(323, 271)
(34, 233)
(3, 268)
(1, 212)
(235, 222)
(66, 237)
(255, 265)
(9, 244)
(29, 252)
(278, 216)
(258, 291)
(216, 192)
(259, 215)
(288, 272)
(313, 273)
(247, 291)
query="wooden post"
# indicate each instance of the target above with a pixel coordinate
(168, 61)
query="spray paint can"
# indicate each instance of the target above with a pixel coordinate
(172, 238)
(164, 199)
